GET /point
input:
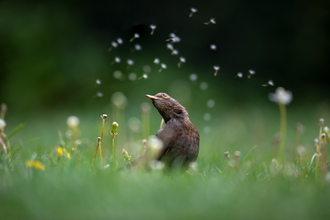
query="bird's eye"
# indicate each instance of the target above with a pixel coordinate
(164, 95)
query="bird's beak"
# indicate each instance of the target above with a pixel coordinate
(152, 97)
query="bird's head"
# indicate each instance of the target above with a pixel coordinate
(167, 106)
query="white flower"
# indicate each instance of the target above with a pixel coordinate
(72, 121)
(281, 96)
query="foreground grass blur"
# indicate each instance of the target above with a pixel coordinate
(251, 185)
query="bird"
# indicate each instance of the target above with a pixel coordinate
(179, 137)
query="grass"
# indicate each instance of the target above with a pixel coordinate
(70, 188)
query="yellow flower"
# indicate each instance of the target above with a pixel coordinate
(68, 155)
(60, 151)
(35, 164)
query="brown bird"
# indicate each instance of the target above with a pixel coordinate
(179, 136)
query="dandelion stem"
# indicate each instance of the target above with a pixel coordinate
(325, 157)
(281, 152)
(113, 152)
(97, 147)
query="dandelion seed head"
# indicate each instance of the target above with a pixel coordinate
(182, 59)
(281, 96)
(120, 41)
(98, 81)
(237, 153)
(213, 47)
(130, 62)
(117, 74)
(240, 74)
(156, 61)
(216, 67)
(207, 116)
(210, 103)
(72, 121)
(132, 76)
(193, 76)
(204, 85)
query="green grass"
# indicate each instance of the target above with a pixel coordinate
(72, 189)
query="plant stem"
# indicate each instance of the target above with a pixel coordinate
(97, 147)
(113, 152)
(281, 152)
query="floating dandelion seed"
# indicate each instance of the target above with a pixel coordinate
(72, 121)
(251, 72)
(210, 103)
(130, 63)
(239, 75)
(153, 27)
(117, 74)
(193, 77)
(136, 35)
(204, 85)
(270, 82)
(120, 41)
(182, 60)
(116, 60)
(213, 47)
(156, 61)
(98, 81)
(175, 52)
(162, 66)
(146, 68)
(193, 10)
(99, 94)
(144, 76)
(216, 68)
(169, 46)
(136, 47)
(211, 21)
(113, 45)
(281, 96)
(132, 76)
(207, 116)
(176, 39)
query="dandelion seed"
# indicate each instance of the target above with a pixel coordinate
(153, 27)
(193, 10)
(156, 61)
(207, 116)
(120, 41)
(251, 72)
(211, 21)
(182, 60)
(116, 60)
(210, 103)
(136, 47)
(98, 81)
(117, 74)
(213, 47)
(72, 122)
(193, 77)
(176, 39)
(145, 76)
(216, 68)
(132, 76)
(99, 94)
(113, 45)
(204, 85)
(175, 52)
(136, 35)
(162, 66)
(239, 75)
(130, 63)
(169, 46)
(270, 82)
(281, 96)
